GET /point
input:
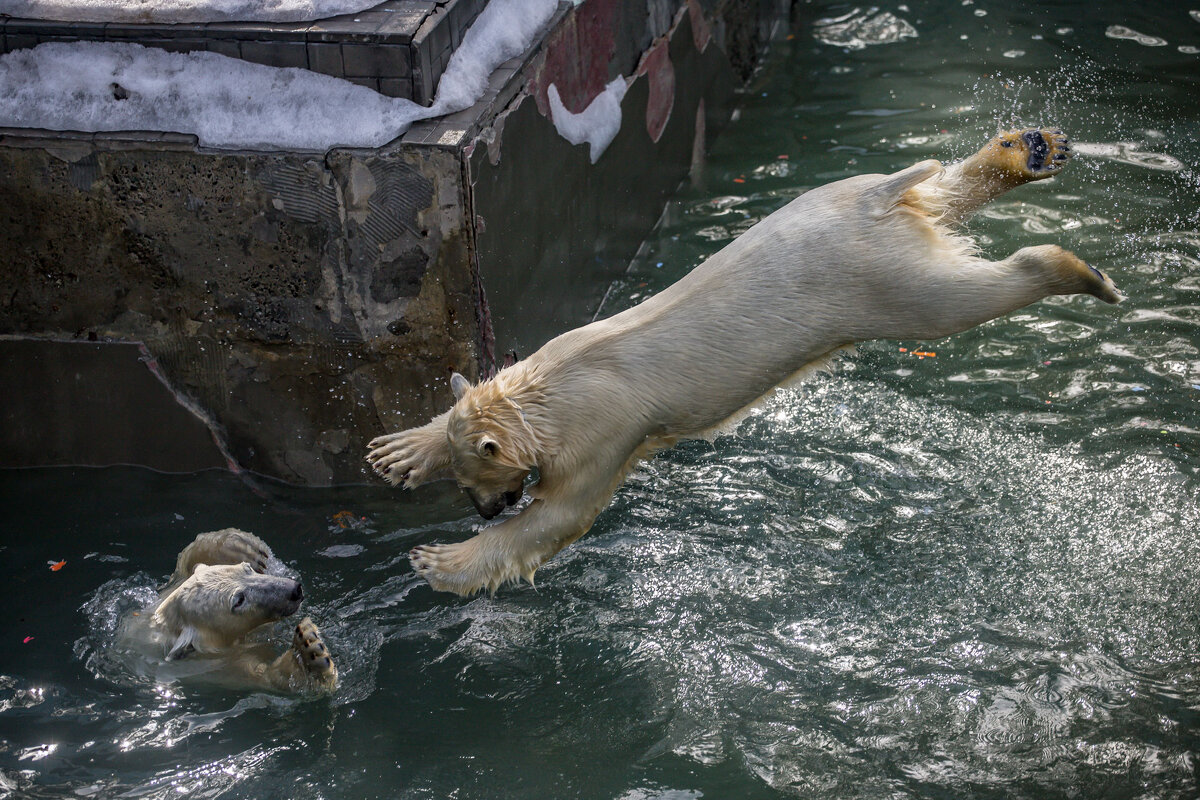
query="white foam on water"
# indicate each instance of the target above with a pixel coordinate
(861, 28)
(1122, 32)
(227, 102)
(1129, 153)
(598, 124)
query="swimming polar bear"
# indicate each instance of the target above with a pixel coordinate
(217, 595)
(868, 257)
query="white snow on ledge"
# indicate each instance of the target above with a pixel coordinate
(598, 124)
(227, 102)
(172, 11)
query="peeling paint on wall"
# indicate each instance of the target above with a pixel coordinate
(578, 57)
(701, 30)
(657, 67)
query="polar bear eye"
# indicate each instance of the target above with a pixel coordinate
(239, 600)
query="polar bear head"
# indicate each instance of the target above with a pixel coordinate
(492, 446)
(217, 605)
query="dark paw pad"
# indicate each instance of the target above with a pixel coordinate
(1039, 149)
(1047, 152)
(313, 653)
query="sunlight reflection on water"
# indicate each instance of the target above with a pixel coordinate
(965, 573)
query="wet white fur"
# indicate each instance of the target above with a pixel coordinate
(194, 617)
(862, 258)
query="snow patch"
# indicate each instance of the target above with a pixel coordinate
(227, 102)
(171, 11)
(503, 30)
(598, 124)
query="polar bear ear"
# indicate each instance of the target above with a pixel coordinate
(885, 195)
(183, 645)
(459, 385)
(488, 447)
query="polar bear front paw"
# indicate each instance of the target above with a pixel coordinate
(408, 458)
(1029, 155)
(228, 546)
(233, 546)
(313, 655)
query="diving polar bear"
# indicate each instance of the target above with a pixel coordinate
(868, 257)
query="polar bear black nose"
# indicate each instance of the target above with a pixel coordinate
(297, 593)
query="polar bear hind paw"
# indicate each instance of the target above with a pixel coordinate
(1029, 155)
(313, 655)
(446, 568)
(459, 568)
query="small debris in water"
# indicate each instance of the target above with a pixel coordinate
(346, 519)
(349, 520)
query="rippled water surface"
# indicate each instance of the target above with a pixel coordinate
(968, 573)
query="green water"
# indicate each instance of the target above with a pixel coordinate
(972, 574)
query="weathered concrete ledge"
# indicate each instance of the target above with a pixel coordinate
(399, 48)
(283, 308)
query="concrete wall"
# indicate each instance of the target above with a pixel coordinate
(295, 305)
(591, 218)
(290, 299)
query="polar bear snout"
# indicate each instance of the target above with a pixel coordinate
(289, 598)
(269, 596)
(489, 506)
